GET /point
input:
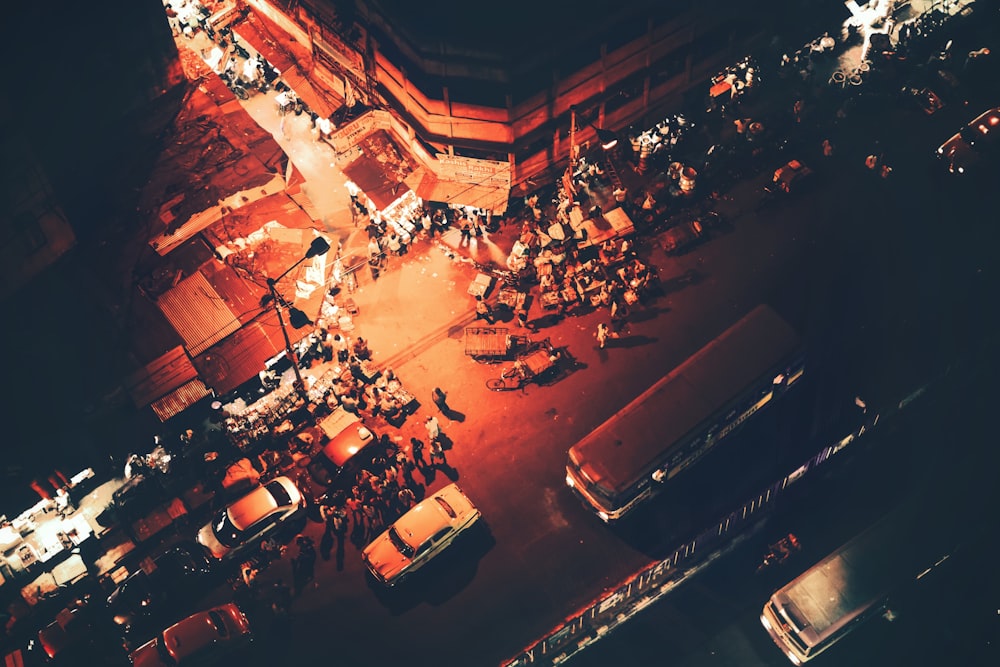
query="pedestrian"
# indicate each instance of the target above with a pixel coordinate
(405, 498)
(433, 428)
(871, 162)
(304, 564)
(340, 344)
(483, 311)
(885, 171)
(371, 513)
(354, 505)
(440, 399)
(437, 454)
(417, 448)
(798, 108)
(602, 334)
(466, 232)
(407, 466)
(827, 148)
(522, 317)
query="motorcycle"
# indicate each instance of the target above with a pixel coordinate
(780, 551)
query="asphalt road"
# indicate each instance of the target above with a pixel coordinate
(891, 281)
(871, 271)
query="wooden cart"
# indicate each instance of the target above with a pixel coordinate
(491, 344)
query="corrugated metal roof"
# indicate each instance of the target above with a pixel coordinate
(180, 399)
(243, 355)
(161, 376)
(198, 313)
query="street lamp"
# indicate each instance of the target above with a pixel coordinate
(607, 138)
(296, 317)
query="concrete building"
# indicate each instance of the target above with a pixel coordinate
(496, 80)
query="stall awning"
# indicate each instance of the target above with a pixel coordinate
(180, 399)
(292, 60)
(432, 188)
(381, 169)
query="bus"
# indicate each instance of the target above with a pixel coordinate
(665, 430)
(858, 580)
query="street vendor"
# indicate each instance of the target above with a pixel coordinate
(361, 350)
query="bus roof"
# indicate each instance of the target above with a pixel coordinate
(631, 441)
(861, 573)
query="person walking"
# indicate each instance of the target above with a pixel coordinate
(304, 564)
(440, 399)
(417, 448)
(522, 317)
(407, 467)
(483, 311)
(433, 429)
(405, 498)
(437, 454)
(602, 334)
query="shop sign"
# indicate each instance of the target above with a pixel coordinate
(472, 171)
(350, 134)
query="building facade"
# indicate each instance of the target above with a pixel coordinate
(498, 82)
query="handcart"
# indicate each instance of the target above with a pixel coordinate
(491, 344)
(528, 367)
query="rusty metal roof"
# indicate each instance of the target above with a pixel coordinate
(161, 376)
(241, 356)
(180, 399)
(198, 313)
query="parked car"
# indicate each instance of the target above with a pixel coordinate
(178, 574)
(201, 638)
(419, 535)
(349, 445)
(263, 512)
(681, 237)
(972, 142)
(77, 636)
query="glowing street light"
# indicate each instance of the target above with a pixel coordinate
(296, 317)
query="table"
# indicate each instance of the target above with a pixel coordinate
(550, 300)
(511, 298)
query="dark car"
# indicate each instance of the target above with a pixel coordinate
(176, 576)
(972, 142)
(681, 237)
(77, 636)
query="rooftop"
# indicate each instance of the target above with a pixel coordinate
(505, 30)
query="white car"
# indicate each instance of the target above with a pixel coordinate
(260, 513)
(419, 535)
(968, 146)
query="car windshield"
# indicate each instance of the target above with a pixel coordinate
(399, 543)
(227, 534)
(279, 494)
(218, 623)
(161, 650)
(449, 510)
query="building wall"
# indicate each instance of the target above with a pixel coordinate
(477, 104)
